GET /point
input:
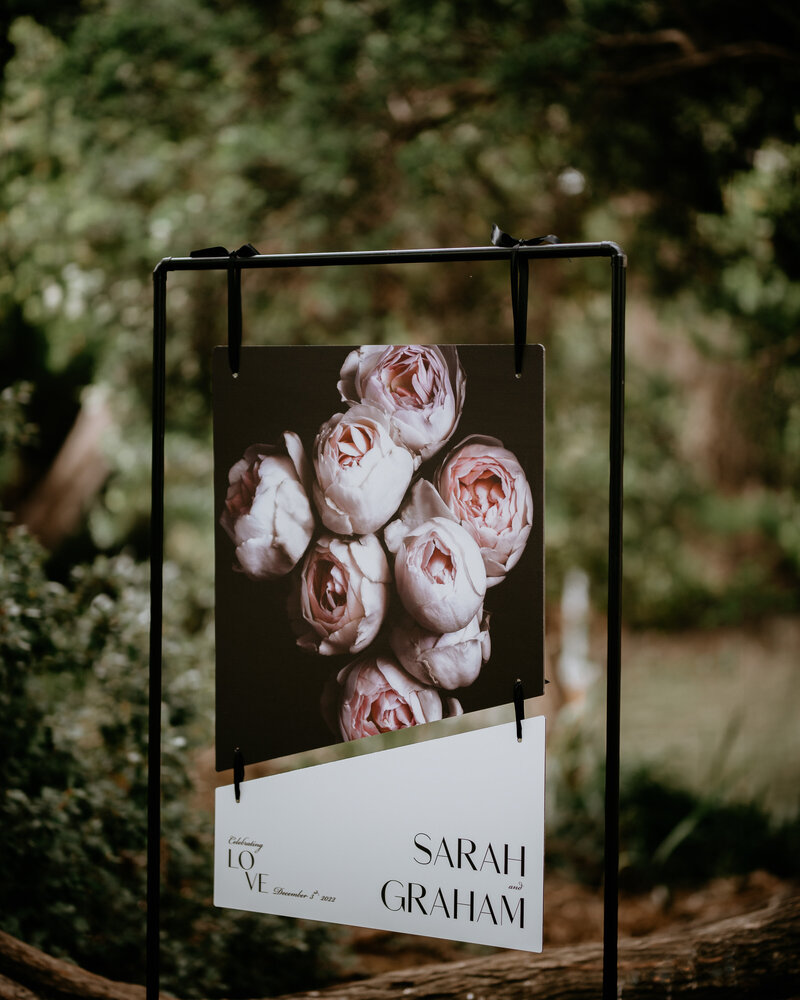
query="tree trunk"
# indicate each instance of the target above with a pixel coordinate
(753, 956)
(60, 501)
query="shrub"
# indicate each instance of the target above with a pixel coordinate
(668, 833)
(73, 719)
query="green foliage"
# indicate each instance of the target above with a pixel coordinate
(673, 837)
(574, 809)
(137, 131)
(669, 835)
(73, 718)
(16, 431)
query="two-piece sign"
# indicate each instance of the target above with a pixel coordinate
(441, 838)
(379, 567)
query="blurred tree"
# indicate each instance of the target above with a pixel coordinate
(151, 129)
(73, 731)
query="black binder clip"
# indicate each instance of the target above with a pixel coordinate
(519, 707)
(519, 287)
(234, 298)
(238, 772)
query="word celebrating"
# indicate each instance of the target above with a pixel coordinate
(245, 842)
(451, 903)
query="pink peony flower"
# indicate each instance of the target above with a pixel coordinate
(485, 487)
(340, 597)
(374, 695)
(448, 661)
(267, 512)
(440, 576)
(361, 473)
(419, 388)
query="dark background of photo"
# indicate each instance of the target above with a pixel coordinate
(268, 690)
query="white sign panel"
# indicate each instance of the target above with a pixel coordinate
(443, 838)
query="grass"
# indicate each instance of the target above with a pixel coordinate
(718, 711)
(710, 782)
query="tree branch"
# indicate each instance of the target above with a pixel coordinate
(692, 59)
(635, 39)
(751, 956)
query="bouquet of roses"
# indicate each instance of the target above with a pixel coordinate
(383, 563)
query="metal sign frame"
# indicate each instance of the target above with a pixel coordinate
(233, 264)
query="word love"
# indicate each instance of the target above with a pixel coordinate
(245, 860)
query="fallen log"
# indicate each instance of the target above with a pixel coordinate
(750, 957)
(26, 973)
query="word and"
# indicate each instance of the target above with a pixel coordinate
(465, 855)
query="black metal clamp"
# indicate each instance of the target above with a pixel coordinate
(238, 772)
(519, 707)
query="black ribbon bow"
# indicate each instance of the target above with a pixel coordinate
(519, 287)
(234, 298)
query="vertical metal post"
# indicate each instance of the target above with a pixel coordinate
(614, 633)
(156, 617)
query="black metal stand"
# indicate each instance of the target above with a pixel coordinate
(234, 264)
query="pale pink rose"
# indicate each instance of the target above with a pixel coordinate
(421, 504)
(448, 661)
(267, 512)
(361, 473)
(485, 487)
(340, 597)
(373, 694)
(440, 576)
(420, 388)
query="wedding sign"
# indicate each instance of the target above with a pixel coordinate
(379, 546)
(442, 838)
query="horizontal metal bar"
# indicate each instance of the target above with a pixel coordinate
(547, 251)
